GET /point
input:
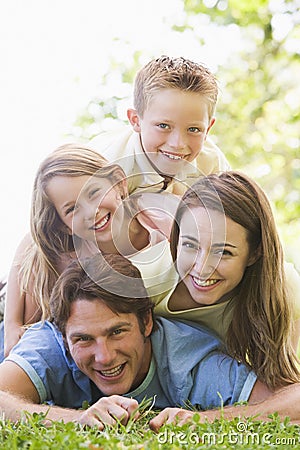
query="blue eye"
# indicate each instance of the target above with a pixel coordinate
(116, 332)
(187, 244)
(83, 339)
(163, 126)
(194, 129)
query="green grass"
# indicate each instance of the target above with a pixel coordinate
(32, 434)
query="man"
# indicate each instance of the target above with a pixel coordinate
(110, 352)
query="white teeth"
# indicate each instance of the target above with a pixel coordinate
(205, 282)
(112, 372)
(172, 156)
(102, 223)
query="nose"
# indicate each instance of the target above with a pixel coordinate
(103, 352)
(176, 140)
(89, 210)
(205, 264)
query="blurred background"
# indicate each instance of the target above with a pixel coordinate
(67, 69)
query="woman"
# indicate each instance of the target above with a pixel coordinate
(231, 275)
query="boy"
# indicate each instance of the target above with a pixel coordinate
(174, 104)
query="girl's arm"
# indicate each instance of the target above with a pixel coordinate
(293, 293)
(20, 308)
(296, 336)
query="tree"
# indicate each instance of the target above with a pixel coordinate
(258, 116)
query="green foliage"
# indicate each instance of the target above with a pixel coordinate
(32, 434)
(258, 114)
(258, 118)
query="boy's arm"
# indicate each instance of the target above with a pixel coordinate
(262, 403)
(18, 394)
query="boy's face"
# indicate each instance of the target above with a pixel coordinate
(173, 129)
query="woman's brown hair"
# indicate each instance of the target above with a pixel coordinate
(260, 331)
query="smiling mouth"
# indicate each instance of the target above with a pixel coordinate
(101, 223)
(173, 156)
(204, 283)
(112, 372)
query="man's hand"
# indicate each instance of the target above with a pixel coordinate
(108, 409)
(179, 416)
(176, 416)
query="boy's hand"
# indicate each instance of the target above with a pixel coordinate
(177, 416)
(108, 409)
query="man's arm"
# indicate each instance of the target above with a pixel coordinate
(18, 394)
(14, 379)
(262, 403)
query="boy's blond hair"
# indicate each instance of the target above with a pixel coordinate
(174, 73)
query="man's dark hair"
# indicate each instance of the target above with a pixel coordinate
(101, 277)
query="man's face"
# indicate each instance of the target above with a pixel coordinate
(173, 129)
(108, 347)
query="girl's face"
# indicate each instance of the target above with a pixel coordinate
(89, 206)
(213, 253)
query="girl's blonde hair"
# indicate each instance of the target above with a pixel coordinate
(261, 327)
(51, 239)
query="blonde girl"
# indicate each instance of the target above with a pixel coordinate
(79, 206)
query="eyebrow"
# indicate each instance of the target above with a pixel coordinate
(119, 325)
(216, 244)
(83, 191)
(88, 185)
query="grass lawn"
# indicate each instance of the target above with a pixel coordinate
(239, 434)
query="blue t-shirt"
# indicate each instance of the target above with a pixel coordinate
(187, 366)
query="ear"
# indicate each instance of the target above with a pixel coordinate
(148, 324)
(68, 230)
(210, 125)
(124, 188)
(64, 228)
(134, 120)
(255, 256)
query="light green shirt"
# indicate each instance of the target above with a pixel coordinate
(217, 317)
(123, 147)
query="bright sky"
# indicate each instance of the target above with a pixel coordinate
(53, 53)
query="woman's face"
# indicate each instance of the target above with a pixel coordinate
(90, 207)
(212, 255)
